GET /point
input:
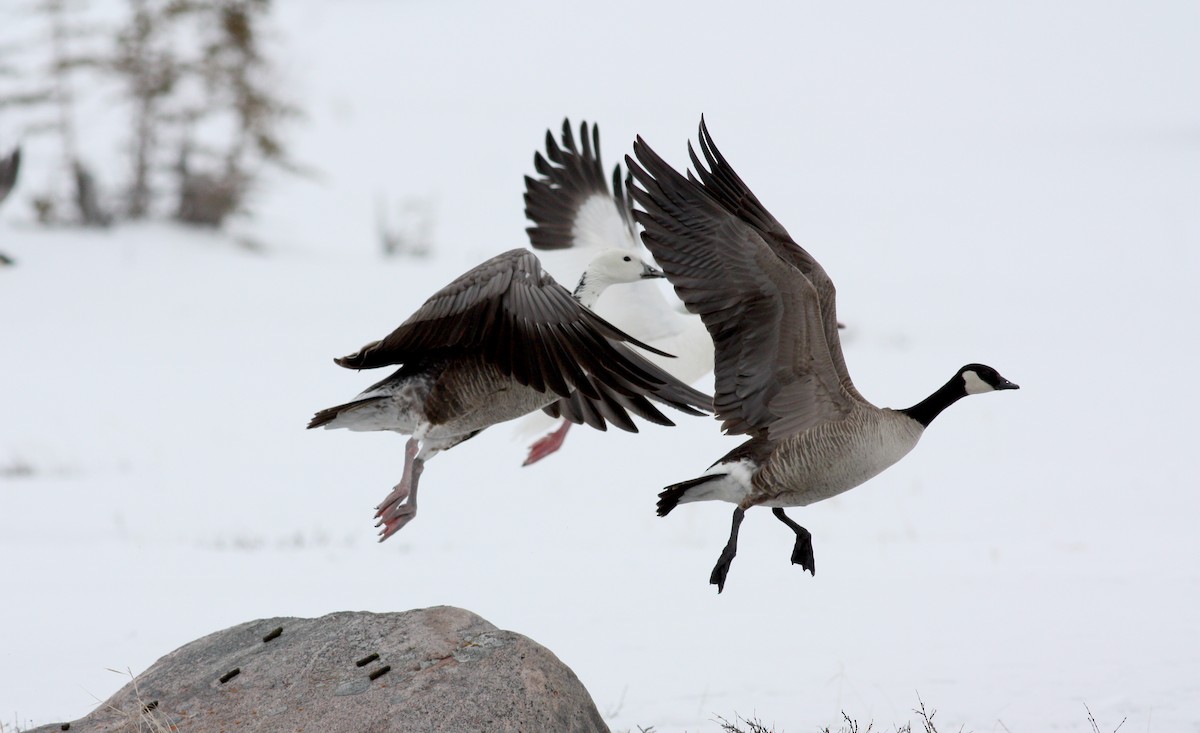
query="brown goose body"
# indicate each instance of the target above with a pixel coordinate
(830, 458)
(780, 374)
(501, 341)
(454, 397)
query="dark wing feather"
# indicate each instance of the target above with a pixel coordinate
(726, 186)
(616, 405)
(774, 370)
(571, 175)
(510, 311)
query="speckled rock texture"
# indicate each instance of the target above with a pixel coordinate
(427, 670)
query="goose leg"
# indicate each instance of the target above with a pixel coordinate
(400, 506)
(722, 568)
(802, 554)
(547, 444)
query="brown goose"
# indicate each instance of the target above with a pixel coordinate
(500, 341)
(576, 215)
(780, 375)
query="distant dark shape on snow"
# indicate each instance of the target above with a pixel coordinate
(780, 375)
(501, 341)
(576, 215)
(9, 166)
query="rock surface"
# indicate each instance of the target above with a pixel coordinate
(427, 670)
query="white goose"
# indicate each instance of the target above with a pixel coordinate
(501, 341)
(780, 375)
(575, 216)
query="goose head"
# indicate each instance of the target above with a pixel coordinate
(980, 378)
(971, 379)
(611, 267)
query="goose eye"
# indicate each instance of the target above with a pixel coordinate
(627, 258)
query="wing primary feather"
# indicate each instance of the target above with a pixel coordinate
(612, 411)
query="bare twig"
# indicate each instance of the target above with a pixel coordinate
(1096, 726)
(753, 725)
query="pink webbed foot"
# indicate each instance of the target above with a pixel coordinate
(394, 519)
(399, 507)
(395, 512)
(546, 445)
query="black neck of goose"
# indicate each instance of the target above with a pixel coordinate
(927, 409)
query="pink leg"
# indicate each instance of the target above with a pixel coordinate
(394, 512)
(548, 444)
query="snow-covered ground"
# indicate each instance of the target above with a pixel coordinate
(1011, 183)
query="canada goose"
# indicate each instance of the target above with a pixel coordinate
(780, 374)
(500, 341)
(576, 215)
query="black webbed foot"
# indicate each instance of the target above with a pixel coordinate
(802, 553)
(721, 570)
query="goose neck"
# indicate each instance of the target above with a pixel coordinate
(588, 291)
(927, 409)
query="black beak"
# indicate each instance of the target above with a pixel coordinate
(1005, 384)
(649, 272)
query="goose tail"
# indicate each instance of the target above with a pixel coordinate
(329, 414)
(674, 494)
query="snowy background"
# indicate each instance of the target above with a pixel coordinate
(1013, 183)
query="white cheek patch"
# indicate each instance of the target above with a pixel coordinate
(974, 384)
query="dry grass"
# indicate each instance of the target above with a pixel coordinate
(752, 725)
(1096, 726)
(849, 725)
(145, 715)
(15, 726)
(925, 717)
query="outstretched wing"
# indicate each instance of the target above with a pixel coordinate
(613, 406)
(726, 186)
(513, 314)
(774, 367)
(576, 215)
(571, 204)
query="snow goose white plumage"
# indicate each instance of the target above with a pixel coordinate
(577, 215)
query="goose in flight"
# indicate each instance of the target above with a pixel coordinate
(780, 375)
(576, 215)
(500, 341)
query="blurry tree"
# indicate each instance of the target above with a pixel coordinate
(148, 65)
(197, 86)
(51, 97)
(231, 131)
